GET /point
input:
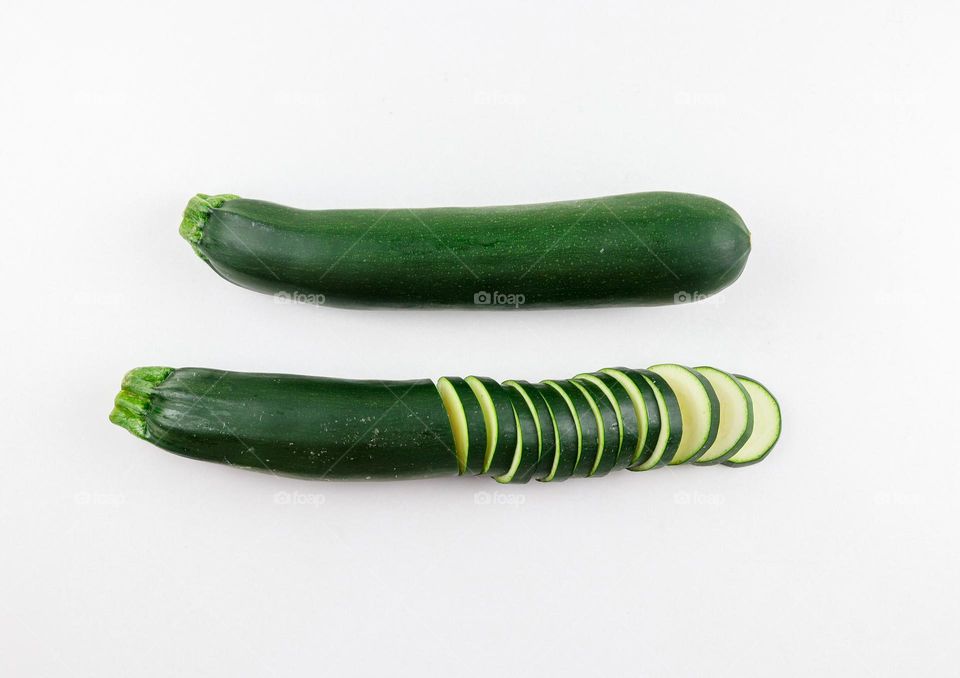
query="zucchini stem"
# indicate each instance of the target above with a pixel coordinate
(196, 214)
(130, 405)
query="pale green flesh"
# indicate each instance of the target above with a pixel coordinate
(736, 421)
(576, 417)
(517, 453)
(458, 421)
(766, 424)
(601, 438)
(613, 401)
(489, 419)
(637, 398)
(695, 410)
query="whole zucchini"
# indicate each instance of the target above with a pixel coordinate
(633, 249)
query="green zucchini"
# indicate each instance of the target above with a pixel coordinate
(633, 249)
(699, 409)
(467, 423)
(500, 421)
(608, 426)
(736, 416)
(545, 426)
(342, 429)
(312, 427)
(766, 425)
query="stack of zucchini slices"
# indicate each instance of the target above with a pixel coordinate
(616, 418)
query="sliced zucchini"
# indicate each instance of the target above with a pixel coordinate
(736, 416)
(546, 428)
(587, 429)
(766, 425)
(699, 409)
(655, 401)
(567, 434)
(526, 454)
(608, 424)
(500, 424)
(631, 444)
(466, 421)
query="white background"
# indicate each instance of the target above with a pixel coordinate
(831, 127)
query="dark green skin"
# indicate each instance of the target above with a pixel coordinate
(566, 431)
(506, 427)
(674, 417)
(611, 428)
(548, 444)
(530, 444)
(313, 427)
(476, 428)
(589, 441)
(628, 417)
(633, 249)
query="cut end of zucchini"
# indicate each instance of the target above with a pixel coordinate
(129, 407)
(196, 214)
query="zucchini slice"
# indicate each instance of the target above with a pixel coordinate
(639, 248)
(736, 416)
(546, 427)
(766, 425)
(655, 403)
(699, 409)
(311, 427)
(608, 425)
(567, 432)
(527, 453)
(588, 432)
(466, 421)
(631, 444)
(498, 416)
